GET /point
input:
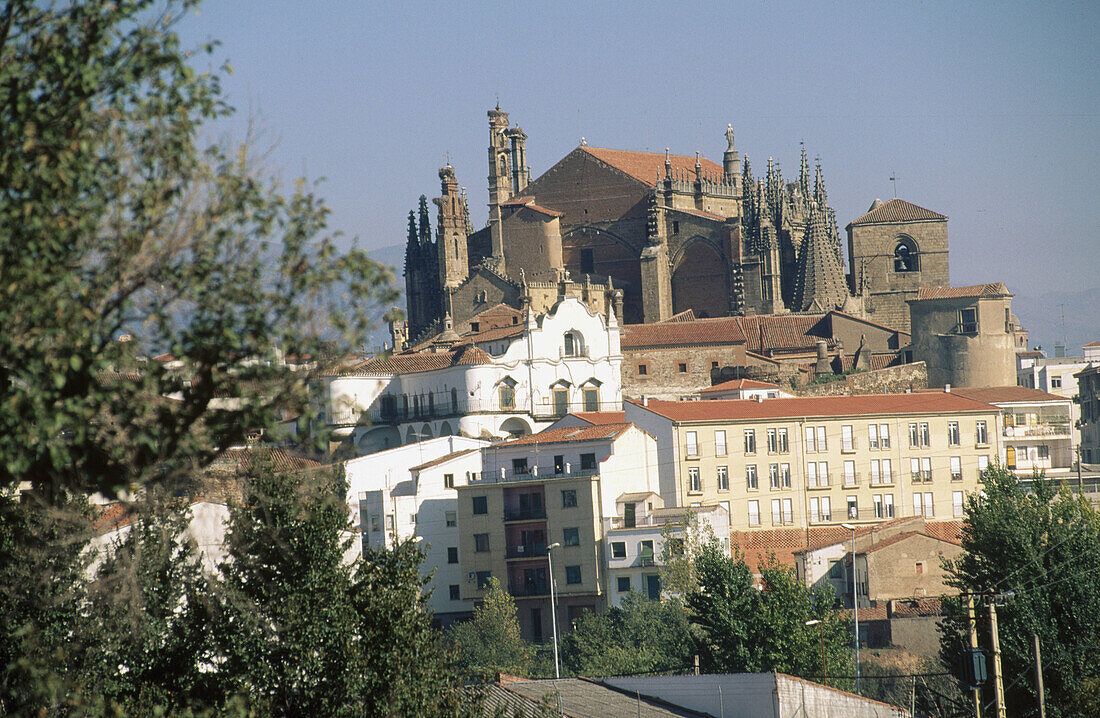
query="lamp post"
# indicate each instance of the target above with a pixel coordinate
(821, 630)
(553, 606)
(855, 598)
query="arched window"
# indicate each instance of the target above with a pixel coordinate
(506, 393)
(906, 256)
(574, 344)
(454, 400)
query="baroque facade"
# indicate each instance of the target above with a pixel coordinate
(648, 236)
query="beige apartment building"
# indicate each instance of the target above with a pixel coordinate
(805, 462)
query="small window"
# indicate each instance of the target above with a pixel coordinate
(569, 498)
(588, 260)
(483, 579)
(591, 398)
(572, 574)
(713, 365)
(683, 367)
(507, 396)
(571, 537)
(920, 567)
(642, 370)
(481, 543)
(623, 584)
(455, 592)
(588, 462)
(475, 326)
(448, 481)
(694, 481)
(1056, 382)
(618, 549)
(519, 467)
(481, 504)
(981, 433)
(452, 554)
(968, 321)
(675, 227)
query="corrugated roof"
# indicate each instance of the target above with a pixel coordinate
(998, 394)
(739, 384)
(856, 405)
(567, 434)
(443, 459)
(994, 289)
(896, 210)
(649, 167)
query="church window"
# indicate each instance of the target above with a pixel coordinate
(675, 227)
(574, 344)
(588, 261)
(906, 256)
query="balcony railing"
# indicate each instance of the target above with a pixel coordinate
(529, 588)
(526, 550)
(618, 522)
(525, 514)
(1038, 431)
(443, 408)
(883, 478)
(532, 473)
(922, 477)
(851, 480)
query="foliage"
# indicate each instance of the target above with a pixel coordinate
(491, 641)
(748, 630)
(642, 636)
(681, 544)
(1044, 547)
(905, 679)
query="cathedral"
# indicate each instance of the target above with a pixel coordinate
(648, 236)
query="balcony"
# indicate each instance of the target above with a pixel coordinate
(618, 522)
(851, 480)
(533, 473)
(883, 479)
(525, 514)
(528, 589)
(526, 550)
(922, 477)
(1039, 431)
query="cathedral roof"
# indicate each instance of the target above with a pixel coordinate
(992, 290)
(649, 167)
(820, 284)
(896, 210)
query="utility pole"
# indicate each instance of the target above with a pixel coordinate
(977, 692)
(998, 685)
(1039, 677)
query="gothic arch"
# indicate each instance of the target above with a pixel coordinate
(700, 279)
(906, 254)
(591, 250)
(678, 256)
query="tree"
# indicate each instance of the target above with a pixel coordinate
(491, 642)
(681, 543)
(749, 630)
(642, 636)
(1043, 547)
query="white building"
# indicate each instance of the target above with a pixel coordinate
(1036, 431)
(503, 381)
(409, 491)
(744, 389)
(1056, 375)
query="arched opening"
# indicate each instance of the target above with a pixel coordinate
(573, 344)
(410, 436)
(906, 256)
(590, 395)
(700, 281)
(515, 426)
(559, 394)
(425, 433)
(445, 429)
(379, 439)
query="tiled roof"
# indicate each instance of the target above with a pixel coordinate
(878, 361)
(864, 320)
(529, 203)
(994, 289)
(756, 546)
(999, 394)
(443, 459)
(1032, 354)
(896, 210)
(823, 406)
(688, 315)
(281, 459)
(898, 538)
(493, 333)
(945, 530)
(413, 362)
(739, 384)
(721, 330)
(634, 497)
(165, 358)
(1092, 344)
(918, 607)
(768, 332)
(567, 434)
(601, 417)
(649, 167)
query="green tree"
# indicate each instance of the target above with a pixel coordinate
(491, 641)
(642, 636)
(1043, 546)
(681, 543)
(748, 630)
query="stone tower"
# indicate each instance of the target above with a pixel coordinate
(894, 250)
(500, 179)
(454, 226)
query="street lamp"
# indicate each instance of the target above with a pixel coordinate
(855, 598)
(553, 606)
(821, 630)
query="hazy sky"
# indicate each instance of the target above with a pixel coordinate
(986, 112)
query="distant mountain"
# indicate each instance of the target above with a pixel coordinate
(1042, 316)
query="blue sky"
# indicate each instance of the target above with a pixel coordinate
(986, 112)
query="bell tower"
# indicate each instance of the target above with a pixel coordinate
(454, 226)
(500, 180)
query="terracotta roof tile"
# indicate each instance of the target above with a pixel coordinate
(717, 331)
(688, 315)
(567, 435)
(529, 203)
(999, 394)
(994, 289)
(1093, 344)
(698, 213)
(598, 418)
(855, 405)
(896, 210)
(898, 538)
(917, 607)
(649, 167)
(413, 362)
(768, 332)
(739, 384)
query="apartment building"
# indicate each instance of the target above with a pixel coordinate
(543, 499)
(1088, 398)
(804, 462)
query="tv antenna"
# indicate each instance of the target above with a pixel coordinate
(894, 179)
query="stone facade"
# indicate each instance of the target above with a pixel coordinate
(889, 380)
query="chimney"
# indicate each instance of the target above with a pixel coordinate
(946, 388)
(645, 400)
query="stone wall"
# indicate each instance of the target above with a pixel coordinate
(891, 380)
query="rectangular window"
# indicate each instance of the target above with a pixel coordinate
(568, 498)
(559, 465)
(483, 579)
(926, 468)
(1044, 451)
(788, 511)
(642, 370)
(507, 397)
(723, 478)
(390, 524)
(448, 481)
(925, 435)
(720, 443)
(588, 462)
(872, 436)
(826, 509)
(918, 509)
(777, 512)
(968, 320)
(750, 441)
(784, 443)
(481, 543)
(773, 442)
(572, 574)
(956, 468)
(888, 505)
(455, 592)
(853, 507)
(876, 472)
(623, 584)
(452, 554)
(1056, 382)
(821, 443)
(645, 552)
(754, 513)
(914, 436)
(692, 439)
(519, 467)
(850, 473)
(591, 397)
(571, 536)
(981, 434)
(618, 549)
(847, 440)
(884, 436)
(694, 482)
(750, 477)
(914, 469)
(811, 442)
(481, 504)
(887, 472)
(957, 504)
(929, 510)
(815, 510)
(785, 475)
(451, 518)
(682, 367)
(877, 501)
(773, 474)
(952, 433)
(823, 473)
(811, 475)
(588, 260)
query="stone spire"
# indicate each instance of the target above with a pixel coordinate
(819, 282)
(804, 175)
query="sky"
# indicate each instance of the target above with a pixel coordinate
(988, 113)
